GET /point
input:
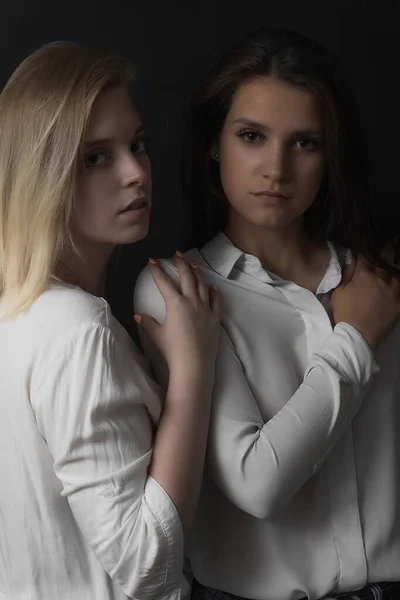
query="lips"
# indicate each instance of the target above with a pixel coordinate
(270, 193)
(136, 204)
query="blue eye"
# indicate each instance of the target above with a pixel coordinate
(249, 136)
(140, 146)
(96, 159)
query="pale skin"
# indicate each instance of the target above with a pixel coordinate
(115, 174)
(272, 143)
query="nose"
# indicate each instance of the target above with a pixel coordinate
(134, 169)
(275, 161)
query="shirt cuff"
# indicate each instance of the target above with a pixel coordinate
(349, 353)
(167, 515)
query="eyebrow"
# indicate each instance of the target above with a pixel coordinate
(108, 140)
(265, 128)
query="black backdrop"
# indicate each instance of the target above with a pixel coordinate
(172, 45)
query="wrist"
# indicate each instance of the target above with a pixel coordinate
(193, 365)
(370, 339)
(190, 376)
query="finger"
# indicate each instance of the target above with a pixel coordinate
(214, 300)
(166, 287)
(186, 278)
(348, 272)
(202, 287)
(364, 264)
(148, 324)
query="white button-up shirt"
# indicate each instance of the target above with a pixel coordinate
(79, 517)
(302, 491)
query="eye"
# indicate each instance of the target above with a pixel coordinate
(96, 159)
(306, 143)
(249, 136)
(140, 146)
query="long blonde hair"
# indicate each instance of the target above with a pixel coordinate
(44, 111)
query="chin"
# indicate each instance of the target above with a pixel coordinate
(277, 222)
(277, 218)
(134, 235)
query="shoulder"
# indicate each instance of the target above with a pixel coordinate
(62, 313)
(79, 330)
(70, 308)
(147, 298)
(64, 326)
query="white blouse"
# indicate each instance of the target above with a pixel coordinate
(80, 519)
(302, 492)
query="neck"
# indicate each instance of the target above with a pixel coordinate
(287, 251)
(88, 269)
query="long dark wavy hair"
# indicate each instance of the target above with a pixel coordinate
(344, 210)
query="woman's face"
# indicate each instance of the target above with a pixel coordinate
(271, 153)
(113, 194)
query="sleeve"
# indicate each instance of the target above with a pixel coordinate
(260, 466)
(91, 411)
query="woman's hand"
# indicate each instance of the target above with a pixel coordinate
(369, 300)
(189, 336)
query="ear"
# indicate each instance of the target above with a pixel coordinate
(215, 153)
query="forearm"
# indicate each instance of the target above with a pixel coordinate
(93, 409)
(259, 465)
(180, 443)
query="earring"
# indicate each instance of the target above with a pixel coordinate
(216, 155)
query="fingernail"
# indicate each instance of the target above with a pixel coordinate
(214, 287)
(193, 265)
(138, 319)
(179, 253)
(152, 261)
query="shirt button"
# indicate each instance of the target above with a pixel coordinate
(108, 493)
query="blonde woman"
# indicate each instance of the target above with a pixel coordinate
(97, 484)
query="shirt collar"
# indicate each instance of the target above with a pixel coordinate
(339, 258)
(222, 256)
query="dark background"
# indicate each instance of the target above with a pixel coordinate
(172, 45)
